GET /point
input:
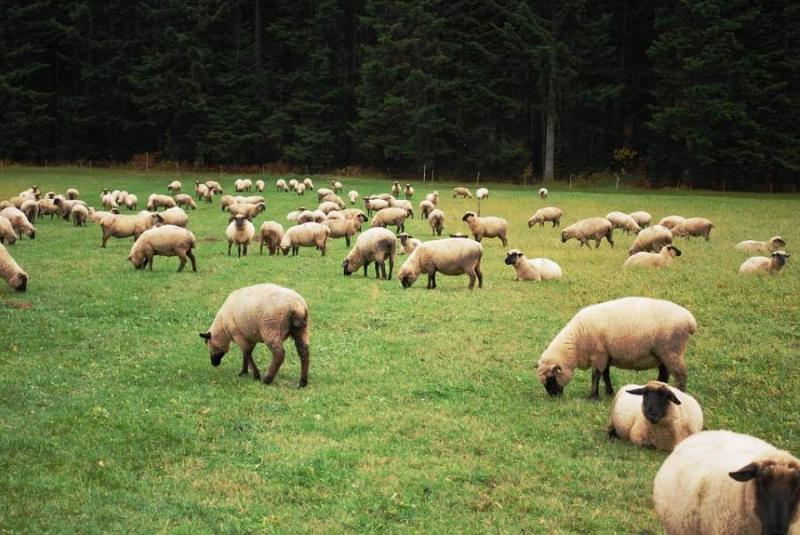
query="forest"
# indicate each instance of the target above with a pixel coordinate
(704, 93)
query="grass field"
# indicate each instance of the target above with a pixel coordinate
(423, 412)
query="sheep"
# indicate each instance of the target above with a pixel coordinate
(390, 216)
(755, 247)
(30, 209)
(293, 184)
(270, 233)
(436, 221)
(623, 221)
(328, 207)
(759, 265)
(19, 222)
(240, 184)
(344, 228)
(300, 189)
(324, 192)
(337, 186)
(724, 482)
(652, 239)
(305, 235)
(543, 193)
(208, 195)
(319, 216)
(655, 260)
(241, 232)
(79, 215)
(121, 196)
(131, 202)
(125, 226)
(408, 243)
(335, 214)
(260, 185)
(671, 221)
(166, 240)
(654, 415)
(73, 194)
(375, 205)
(97, 216)
(14, 275)
(156, 201)
(250, 211)
(537, 269)
(352, 213)
(198, 186)
(486, 227)
(65, 206)
(225, 201)
(450, 256)
(5, 204)
(203, 191)
(293, 215)
(306, 216)
(550, 213)
(433, 198)
(352, 195)
(109, 201)
(404, 204)
(630, 333)
(373, 245)
(482, 193)
(385, 197)
(214, 187)
(642, 218)
(308, 183)
(47, 207)
(261, 313)
(7, 232)
(593, 228)
(173, 216)
(174, 187)
(693, 226)
(182, 199)
(408, 192)
(396, 189)
(425, 208)
(463, 193)
(280, 185)
(332, 197)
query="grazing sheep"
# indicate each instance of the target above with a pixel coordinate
(375, 205)
(7, 233)
(19, 222)
(652, 239)
(593, 228)
(203, 191)
(173, 216)
(198, 186)
(671, 221)
(324, 192)
(433, 198)
(463, 193)
(759, 265)
(551, 213)
(96, 216)
(537, 269)
(353, 196)
(337, 186)
(408, 192)
(308, 183)
(125, 226)
(109, 201)
(642, 218)
(425, 208)
(719, 482)
(436, 221)
(486, 227)
(694, 226)
(755, 247)
(304, 216)
(373, 245)
(73, 194)
(214, 187)
(332, 197)
(408, 243)
(131, 202)
(623, 221)
(344, 228)
(654, 415)
(166, 240)
(632, 333)
(121, 196)
(482, 193)
(385, 197)
(30, 209)
(241, 232)
(271, 233)
(543, 193)
(335, 214)
(47, 207)
(404, 204)
(250, 211)
(655, 260)
(396, 189)
(328, 207)
(182, 199)
(225, 201)
(14, 275)
(243, 184)
(293, 184)
(261, 313)
(156, 201)
(305, 235)
(79, 215)
(352, 213)
(390, 216)
(260, 185)
(174, 187)
(280, 185)
(300, 189)
(450, 256)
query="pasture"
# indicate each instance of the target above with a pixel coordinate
(423, 412)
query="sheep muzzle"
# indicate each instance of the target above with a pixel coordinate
(552, 386)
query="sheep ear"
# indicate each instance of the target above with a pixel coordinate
(205, 335)
(673, 398)
(636, 391)
(557, 370)
(745, 473)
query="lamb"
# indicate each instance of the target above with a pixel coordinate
(652, 239)
(694, 226)
(131, 201)
(7, 233)
(280, 185)
(373, 245)
(260, 185)
(408, 243)
(241, 232)
(551, 213)
(19, 222)
(214, 186)
(166, 240)
(642, 218)
(654, 415)
(300, 189)
(337, 186)
(537, 269)
(375, 205)
(30, 209)
(463, 193)
(486, 227)
(671, 221)
(543, 193)
(759, 265)
(270, 233)
(125, 226)
(79, 215)
(307, 182)
(390, 216)
(623, 221)
(73, 194)
(593, 228)
(305, 235)
(344, 228)
(324, 192)
(182, 199)
(425, 208)
(633, 333)
(433, 198)
(655, 260)
(450, 256)
(174, 187)
(173, 216)
(436, 221)
(724, 482)
(396, 189)
(250, 211)
(764, 247)
(408, 192)
(156, 201)
(261, 313)
(482, 193)
(353, 196)
(14, 275)
(293, 184)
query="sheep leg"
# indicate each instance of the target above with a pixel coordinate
(150, 261)
(391, 267)
(182, 256)
(479, 273)
(245, 250)
(504, 240)
(663, 373)
(595, 391)
(678, 371)
(430, 279)
(471, 275)
(261, 248)
(190, 254)
(230, 243)
(277, 359)
(597, 244)
(301, 344)
(365, 268)
(607, 381)
(347, 240)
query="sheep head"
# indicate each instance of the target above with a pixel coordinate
(512, 256)
(553, 376)
(216, 348)
(656, 397)
(777, 490)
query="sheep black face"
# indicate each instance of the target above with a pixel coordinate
(564, 237)
(780, 257)
(655, 402)
(674, 250)
(777, 493)
(214, 352)
(552, 377)
(467, 216)
(512, 257)
(779, 242)
(345, 268)
(407, 280)
(22, 283)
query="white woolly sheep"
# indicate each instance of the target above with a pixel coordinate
(759, 265)
(324, 192)
(7, 232)
(408, 192)
(543, 193)
(214, 186)
(433, 198)
(693, 226)
(65, 206)
(131, 202)
(31, 209)
(305, 235)
(166, 240)
(375, 205)
(536, 269)
(463, 193)
(425, 208)
(72, 194)
(96, 216)
(390, 216)
(308, 183)
(250, 211)
(344, 228)
(271, 233)
(396, 189)
(450, 256)
(19, 222)
(642, 218)
(173, 216)
(174, 187)
(121, 196)
(14, 275)
(47, 207)
(260, 185)
(671, 221)
(332, 197)
(293, 184)
(352, 195)
(763, 247)
(652, 239)
(182, 199)
(404, 204)
(156, 201)
(482, 193)
(486, 227)
(335, 214)
(654, 415)
(109, 201)
(351, 213)
(337, 186)
(261, 313)
(300, 189)
(243, 184)
(280, 185)
(327, 207)
(241, 232)
(550, 213)
(593, 228)
(303, 216)
(408, 243)
(373, 245)
(436, 221)
(125, 226)
(623, 221)
(635, 333)
(79, 215)
(722, 482)
(655, 260)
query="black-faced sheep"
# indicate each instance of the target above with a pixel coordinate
(550, 213)
(760, 265)
(775, 243)
(241, 232)
(652, 239)
(655, 260)
(486, 227)
(536, 269)
(166, 240)
(450, 256)
(13, 274)
(593, 228)
(377, 245)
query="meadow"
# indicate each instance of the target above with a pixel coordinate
(423, 412)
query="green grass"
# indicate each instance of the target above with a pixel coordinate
(423, 412)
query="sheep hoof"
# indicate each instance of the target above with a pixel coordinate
(303, 383)
(268, 380)
(594, 397)
(242, 373)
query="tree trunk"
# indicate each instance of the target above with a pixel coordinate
(257, 36)
(550, 134)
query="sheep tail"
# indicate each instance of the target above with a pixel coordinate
(299, 319)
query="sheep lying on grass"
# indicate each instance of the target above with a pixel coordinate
(761, 265)
(656, 260)
(775, 243)
(450, 256)
(537, 269)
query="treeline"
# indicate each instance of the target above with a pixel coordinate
(702, 91)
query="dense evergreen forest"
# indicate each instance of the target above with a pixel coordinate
(702, 91)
